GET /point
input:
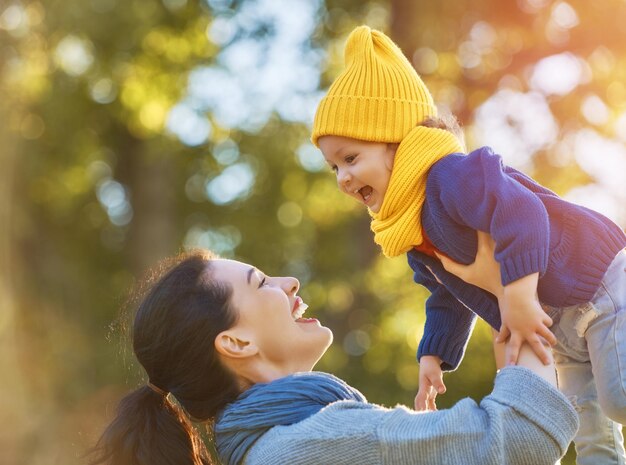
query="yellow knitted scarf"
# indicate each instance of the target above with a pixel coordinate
(397, 226)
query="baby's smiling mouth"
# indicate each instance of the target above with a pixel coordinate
(365, 192)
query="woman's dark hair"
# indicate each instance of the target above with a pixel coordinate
(445, 121)
(173, 338)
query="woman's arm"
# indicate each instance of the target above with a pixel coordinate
(532, 425)
(528, 359)
(513, 425)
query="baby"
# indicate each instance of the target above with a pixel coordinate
(562, 266)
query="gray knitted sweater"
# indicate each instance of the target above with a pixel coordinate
(523, 421)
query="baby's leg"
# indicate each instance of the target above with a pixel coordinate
(599, 439)
(606, 339)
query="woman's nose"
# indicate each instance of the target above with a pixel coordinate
(290, 285)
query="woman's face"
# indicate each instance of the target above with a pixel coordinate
(270, 318)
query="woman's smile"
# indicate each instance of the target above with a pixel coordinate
(299, 307)
(270, 318)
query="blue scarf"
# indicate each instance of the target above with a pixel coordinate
(284, 401)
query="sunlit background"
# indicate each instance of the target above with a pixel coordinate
(130, 130)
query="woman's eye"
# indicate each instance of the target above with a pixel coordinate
(263, 282)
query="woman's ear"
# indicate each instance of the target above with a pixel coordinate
(230, 344)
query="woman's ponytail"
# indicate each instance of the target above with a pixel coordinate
(149, 429)
(175, 326)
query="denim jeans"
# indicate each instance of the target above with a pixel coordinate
(590, 358)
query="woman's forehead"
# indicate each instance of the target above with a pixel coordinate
(233, 270)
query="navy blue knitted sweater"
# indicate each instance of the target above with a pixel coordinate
(569, 246)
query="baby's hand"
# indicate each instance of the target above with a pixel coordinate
(430, 383)
(523, 320)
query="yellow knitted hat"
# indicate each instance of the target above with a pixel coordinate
(378, 97)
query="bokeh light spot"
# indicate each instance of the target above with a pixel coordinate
(340, 298)
(222, 30)
(223, 240)
(103, 91)
(226, 152)
(73, 55)
(515, 125)
(113, 197)
(407, 375)
(425, 60)
(595, 110)
(235, 182)
(289, 214)
(310, 157)
(191, 128)
(564, 15)
(356, 342)
(557, 74)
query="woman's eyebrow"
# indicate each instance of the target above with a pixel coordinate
(250, 272)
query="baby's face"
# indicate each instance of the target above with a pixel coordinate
(362, 168)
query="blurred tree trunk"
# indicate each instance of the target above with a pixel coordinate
(402, 24)
(150, 177)
(12, 401)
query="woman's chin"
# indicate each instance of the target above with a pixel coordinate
(326, 343)
(313, 349)
(329, 336)
(320, 346)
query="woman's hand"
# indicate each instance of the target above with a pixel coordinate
(484, 272)
(430, 383)
(523, 319)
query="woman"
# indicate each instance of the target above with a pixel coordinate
(231, 345)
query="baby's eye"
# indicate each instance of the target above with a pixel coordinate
(334, 168)
(350, 158)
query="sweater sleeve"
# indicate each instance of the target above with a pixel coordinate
(525, 421)
(448, 325)
(476, 191)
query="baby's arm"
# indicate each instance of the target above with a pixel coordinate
(446, 331)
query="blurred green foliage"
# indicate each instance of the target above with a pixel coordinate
(100, 177)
